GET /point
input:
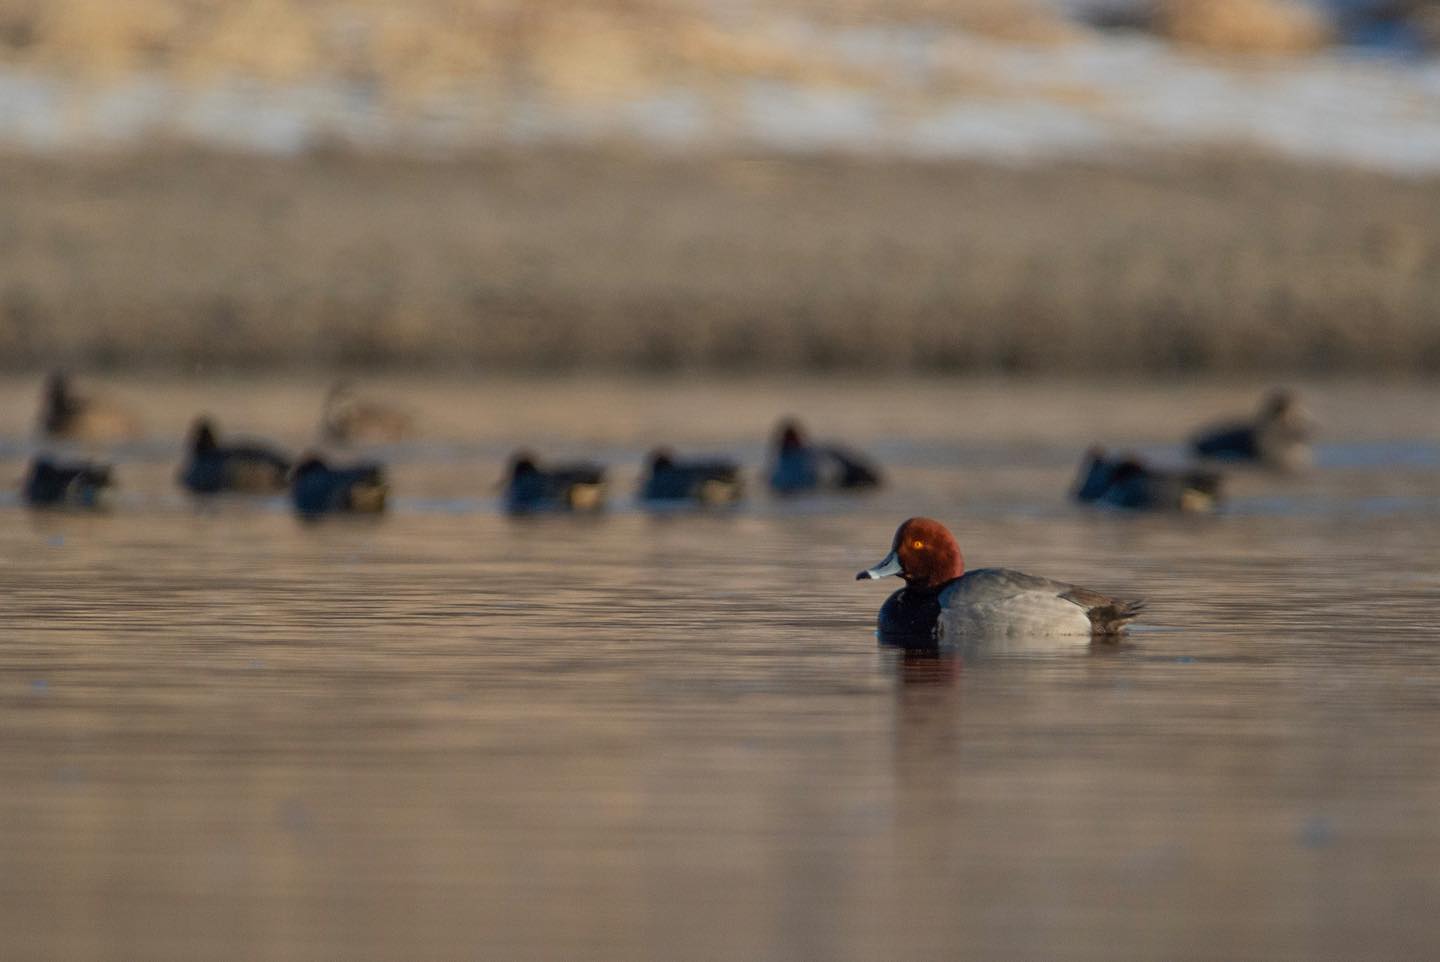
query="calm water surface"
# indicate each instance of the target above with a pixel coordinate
(447, 735)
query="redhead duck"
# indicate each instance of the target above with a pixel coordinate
(710, 483)
(318, 489)
(564, 487)
(66, 415)
(348, 419)
(942, 603)
(1128, 482)
(800, 467)
(247, 467)
(54, 484)
(1277, 437)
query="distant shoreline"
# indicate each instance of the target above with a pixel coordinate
(1000, 80)
(553, 261)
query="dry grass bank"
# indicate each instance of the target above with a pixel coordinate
(1244, 26)
(607, 261)
(580, 48)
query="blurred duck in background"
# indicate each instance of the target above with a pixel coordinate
(713, 483)
(246, 467)
(350, 419)
(55, 484)
(1128, 482)
(1277, 437)
(531, 488)
(317, 489)
(68, 416)
(799, 467)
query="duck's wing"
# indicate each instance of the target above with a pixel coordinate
(578, 474)
(990, 585)
(845, 468)
(708, 482)
(256, 453)
(722, 484)
(1160, 489)
(717, 470)
(252, 466)
(1227, 441)
(1035, 603)
(580, 487)
(94, 475)
(1148, 490)
(714, 482)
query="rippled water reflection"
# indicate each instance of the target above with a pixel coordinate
(450, 735)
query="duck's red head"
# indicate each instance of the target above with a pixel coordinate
(924, 553)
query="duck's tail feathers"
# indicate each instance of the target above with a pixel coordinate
(1112, 619)
(855, 471)
(1108, 616)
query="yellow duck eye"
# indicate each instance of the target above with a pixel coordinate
(917, 545)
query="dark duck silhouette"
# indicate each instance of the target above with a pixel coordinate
(67, 415)
(318, 489)
(1128, 482)
(710, 483)
(247, 467)
(799, 467)
(532, 488)
(56, 484)
(1278, 436)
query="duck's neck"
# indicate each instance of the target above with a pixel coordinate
(934, 570)
(204, 441)
(59, 406)
(930, 587)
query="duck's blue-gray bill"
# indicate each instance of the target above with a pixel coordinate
(890, 566)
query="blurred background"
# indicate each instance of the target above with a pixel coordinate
(964, 239)
(1054, 186)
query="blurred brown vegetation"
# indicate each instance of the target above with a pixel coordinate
(611, 261)
(580, 47)
(1250, 26)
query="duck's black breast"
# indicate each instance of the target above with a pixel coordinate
(908, 618)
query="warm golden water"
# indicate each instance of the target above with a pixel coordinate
(447, 735)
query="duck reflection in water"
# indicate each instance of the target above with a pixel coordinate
(916, 655)
(924, 666)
